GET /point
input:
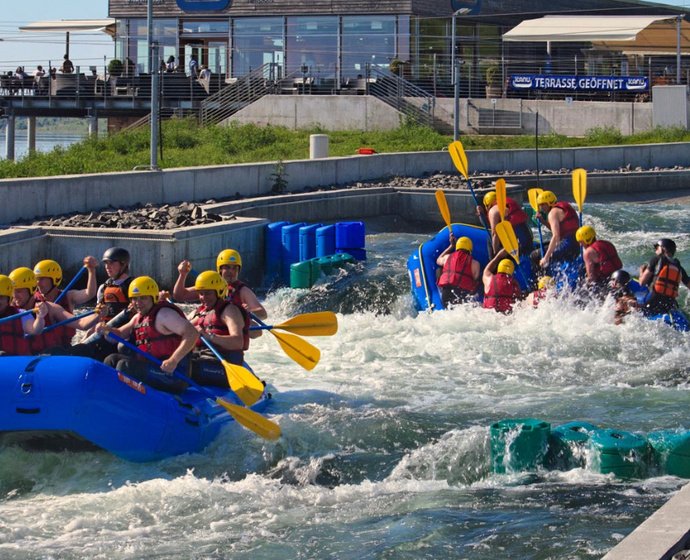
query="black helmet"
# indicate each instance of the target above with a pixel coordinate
(667, 244)
(117, 254)
(620, 277)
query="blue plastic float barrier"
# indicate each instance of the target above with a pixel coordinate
(519, 445)
(349, 235)
(274, 250)
(325, 241)
(671, 451)
(290, 248)
(624, 454)
(307, 241)
(568, 445)
(356, 254)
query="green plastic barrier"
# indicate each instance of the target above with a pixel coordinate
(568, 445)
(624, 454)
(671, 451)
(519, 445)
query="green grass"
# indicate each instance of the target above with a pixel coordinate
(185, 144)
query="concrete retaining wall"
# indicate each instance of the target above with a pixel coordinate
(157, 253)
(365, 112)
(84, 193)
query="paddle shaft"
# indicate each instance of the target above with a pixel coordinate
(64, 322)
(71, 283)
(15, 316)
(535, 207)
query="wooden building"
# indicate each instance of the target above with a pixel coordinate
(337, 40)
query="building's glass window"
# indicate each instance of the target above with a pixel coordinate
(312, 45)
(367, 40)
(206, 27)
(132, 42)
(430, 65)
(404, 33)
(255, 42)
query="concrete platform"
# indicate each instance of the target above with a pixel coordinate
(661, 536)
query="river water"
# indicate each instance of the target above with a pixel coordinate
(44, 142)
(385, 446)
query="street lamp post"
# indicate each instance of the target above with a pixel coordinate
(455, 70)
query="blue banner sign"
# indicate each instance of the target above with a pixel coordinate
(579, 83)
(202, 5)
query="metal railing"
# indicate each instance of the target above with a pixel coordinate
(410, 100)
(243, 92)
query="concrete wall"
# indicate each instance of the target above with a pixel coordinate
(332, 112)
(47, 196)
(558, 117)
(364, 112)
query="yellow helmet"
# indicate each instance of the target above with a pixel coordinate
(464, 243)
(546, 282)
(49, 269)
(6, 288)
(489, 199)
(211, 280)
(143, 286)
(586, 235)
(547, 197)
(24, 277)
(506, 266)
(227, 257)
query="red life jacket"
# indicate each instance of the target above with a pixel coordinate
(53, 337)
(12, 338)
(609, 261)
(211, 322)
(571, 222)
(148, 339)
(457, 272)
(514, 213)
(502, 293)
(65, 333)
(115, 296)
(668, 279)
(234, 292)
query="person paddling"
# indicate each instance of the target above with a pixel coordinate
(563, 222)
(663, 274)
(12, 339)
(221, 322)
(228, 265)
(460, 272)
(514, 214)
(49, 277)
(501, 290)
(160, 329)
(25, 297)
(601, 258)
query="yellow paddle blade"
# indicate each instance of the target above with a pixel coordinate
(243, 382)
(579, 187)
(457, 153)
(508, 240)
(321, 323)
(533, 195)
(501, 197)
(443, 206)
(251, 420)
(300, 351)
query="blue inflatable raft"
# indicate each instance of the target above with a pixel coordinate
(422, 268)
(62, 402)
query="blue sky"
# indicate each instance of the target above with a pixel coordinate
(30, 50)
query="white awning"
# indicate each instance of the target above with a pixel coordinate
(585, 28)
(71, 26)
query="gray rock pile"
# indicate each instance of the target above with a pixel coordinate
(148, 216)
